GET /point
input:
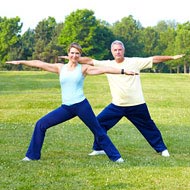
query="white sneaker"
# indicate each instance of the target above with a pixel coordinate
(120, 160)
(97, 152)
(26, 159)
(165, 153)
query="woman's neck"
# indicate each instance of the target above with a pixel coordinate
(71, 65)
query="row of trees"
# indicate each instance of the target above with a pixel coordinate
(50, 39)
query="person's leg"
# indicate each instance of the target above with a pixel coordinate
(109, 117)
(53, 118)
(86, 114)
(140, 117)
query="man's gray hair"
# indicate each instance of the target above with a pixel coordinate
(118, 42)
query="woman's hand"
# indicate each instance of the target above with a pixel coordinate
(13, 62)
(130, 73)
(63, 57)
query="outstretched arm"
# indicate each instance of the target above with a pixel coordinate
(39, 64)
(92, 70)
(83, 60)
(159, 59)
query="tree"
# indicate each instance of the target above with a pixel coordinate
(182, 43)
(28, 43)
(10, 29)
(82, 27)
(166, 41)
(149, 39)
(43, 39)
(128, 31)
(100, 44)
(23, 49)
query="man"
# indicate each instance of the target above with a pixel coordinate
(127, 97)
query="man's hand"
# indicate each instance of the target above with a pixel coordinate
(178, 56)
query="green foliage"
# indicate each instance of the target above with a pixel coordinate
(22, 50)
(50, 39)
(101, 43)
(65, 165)
(182, 43)
(28, 44)
(79, 27)
(128, 31)
(10, 29)
(82, 27)
(150, 42)
(45, 48)
(183, 34)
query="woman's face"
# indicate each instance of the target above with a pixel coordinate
(74, 55)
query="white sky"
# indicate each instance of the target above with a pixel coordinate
(148, 12)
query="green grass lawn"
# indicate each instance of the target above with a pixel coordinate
(65, 164)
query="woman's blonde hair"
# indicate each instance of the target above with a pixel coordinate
(75, 45)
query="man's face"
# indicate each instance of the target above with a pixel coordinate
(118, 52)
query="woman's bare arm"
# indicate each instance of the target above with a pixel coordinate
(55, 68)
(93, 70)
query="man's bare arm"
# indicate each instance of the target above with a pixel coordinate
(159, 59)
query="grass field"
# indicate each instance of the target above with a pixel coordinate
(65, 164)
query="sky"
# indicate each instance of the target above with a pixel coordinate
(147, 12)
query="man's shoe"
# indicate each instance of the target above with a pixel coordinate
(26, 159)
(165, 153)
(120, 160)
(97, 152)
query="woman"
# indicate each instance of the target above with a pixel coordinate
(74, 103)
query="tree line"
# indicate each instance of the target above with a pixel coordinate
(50, 39)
